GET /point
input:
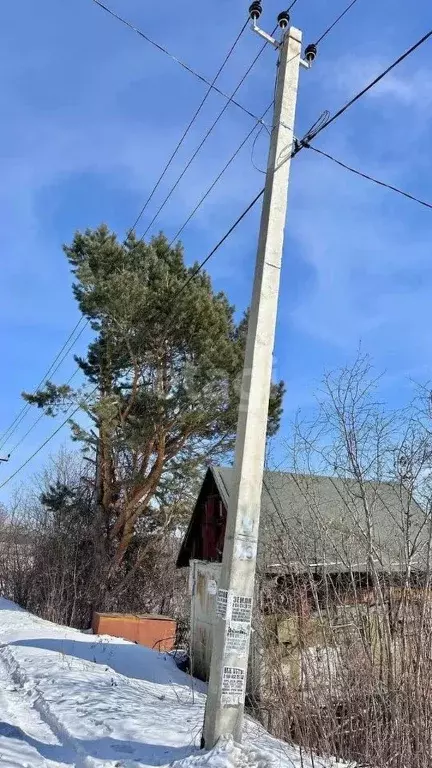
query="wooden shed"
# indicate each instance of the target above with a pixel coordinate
(319, 536)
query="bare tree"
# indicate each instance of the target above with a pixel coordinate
(52, 561)
(346, 609)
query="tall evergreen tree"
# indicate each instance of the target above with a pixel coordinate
(162, 377)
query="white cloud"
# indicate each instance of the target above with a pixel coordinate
(407, 88)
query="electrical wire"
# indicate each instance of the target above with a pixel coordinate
(369, 178)
(33, 455)
(242, 215)
(260, 170)
(316, 126)
(211, 87)
(174, 301)
(161, 48)
(37, 421)
(299, 145)
(372, 83)
(336, 21)
(201, 144)
(21, 415)
(187, 129)
(272, 103)
(55, 365)
(218, 177)
(7, 434)
(219, 243)
(15, 424)
(5, 437)
(45, 442)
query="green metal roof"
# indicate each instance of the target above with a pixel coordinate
(327, 522)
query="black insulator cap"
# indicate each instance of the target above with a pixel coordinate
(255, 10)
(310, 53)
(283, 19)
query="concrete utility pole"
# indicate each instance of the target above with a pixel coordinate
(227, 685)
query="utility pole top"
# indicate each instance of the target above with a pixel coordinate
(283, 20)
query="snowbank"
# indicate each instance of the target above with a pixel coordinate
(69, 698)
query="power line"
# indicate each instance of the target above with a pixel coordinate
(218, 177)
(297, 148)
(45, 442)
(60, 357)
(7, 434)
(372, 83)
(299, 145)
(229, 99)
(303, 143)
(176, 296)
(210, 130)
(369, 178)
(226, 166)
(23, 412)
(186, 131)
(260, 170)
(174, 58)
(183, 287)
(221, 241)
(51, 371)
(211, 87)
(38, 420)
(336, 21)
(21, 415)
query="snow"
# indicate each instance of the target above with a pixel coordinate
(68, 698)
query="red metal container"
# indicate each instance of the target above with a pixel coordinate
(151, 630)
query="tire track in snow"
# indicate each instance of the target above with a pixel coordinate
(26, 741)
(77, 756)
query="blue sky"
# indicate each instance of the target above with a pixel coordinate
(91, 113)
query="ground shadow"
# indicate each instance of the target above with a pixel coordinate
(105, 748)
(54, 752)
(7, 605)
(133, 661)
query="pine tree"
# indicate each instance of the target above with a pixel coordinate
(162, 377)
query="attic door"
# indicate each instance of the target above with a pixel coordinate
(213, 529)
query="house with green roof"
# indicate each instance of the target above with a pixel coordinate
(325, 546)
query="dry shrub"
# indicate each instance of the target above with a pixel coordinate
(345, 637)
(54, 559)
(349, 680)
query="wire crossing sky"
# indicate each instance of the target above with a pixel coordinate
(356, 264)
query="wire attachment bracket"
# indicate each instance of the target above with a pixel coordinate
(265, 35)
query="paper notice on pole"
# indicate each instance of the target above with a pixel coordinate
(236, 609)
(233, 686)
(222, 603)
(240, 615)
(241, 608)
(236, 641)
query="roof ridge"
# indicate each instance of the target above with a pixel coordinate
(309, 476)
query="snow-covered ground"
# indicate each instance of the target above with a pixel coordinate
(72, 699)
